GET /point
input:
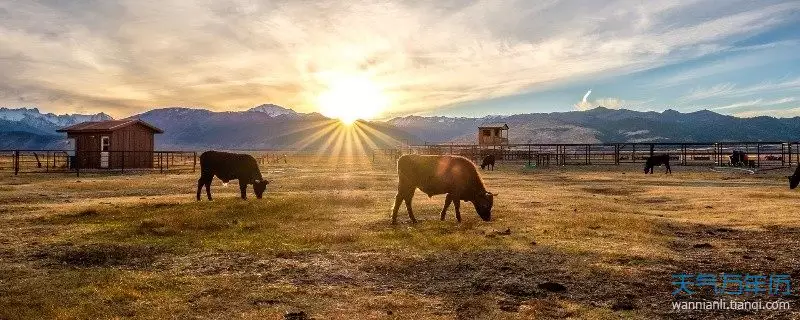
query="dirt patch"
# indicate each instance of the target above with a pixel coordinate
(101, 255)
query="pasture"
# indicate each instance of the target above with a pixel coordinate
(596, 242)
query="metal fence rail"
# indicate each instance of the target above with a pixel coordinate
(760, 154)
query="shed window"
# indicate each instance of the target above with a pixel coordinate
(105, 142)
(487, 132)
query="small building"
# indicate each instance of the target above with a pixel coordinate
(493, 134)
(115, 144)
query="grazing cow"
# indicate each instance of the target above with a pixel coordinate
(657, 160)
(229, 166)
(488, 161)
(454, 176)
(795, 178)
(739, 158)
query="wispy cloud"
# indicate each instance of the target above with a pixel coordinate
(757, 102)
(128, 55)
(730, 90)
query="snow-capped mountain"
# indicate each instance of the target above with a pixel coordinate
(34, 115)
(273, 110)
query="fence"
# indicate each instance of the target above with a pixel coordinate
(759, 154)
(64, 161)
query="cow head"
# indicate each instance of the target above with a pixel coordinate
(483, 205)
(259, 186)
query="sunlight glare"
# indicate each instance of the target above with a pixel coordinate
(351, 98)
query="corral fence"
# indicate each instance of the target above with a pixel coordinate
(78, 162)
(758, 154)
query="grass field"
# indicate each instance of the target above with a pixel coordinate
(321, 242)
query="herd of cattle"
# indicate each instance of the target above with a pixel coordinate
(454, 176)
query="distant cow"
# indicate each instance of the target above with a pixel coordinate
(795, 178)
(230, 166)
(488, 161)
(739, 158)
(455, 176)
(657, 160)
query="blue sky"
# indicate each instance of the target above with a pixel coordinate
(448, 57)
(756, 74)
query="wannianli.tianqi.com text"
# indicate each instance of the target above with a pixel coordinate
(722, 304)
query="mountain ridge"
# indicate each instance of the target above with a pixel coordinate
(270, 126)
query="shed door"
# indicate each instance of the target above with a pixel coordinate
(105, 143)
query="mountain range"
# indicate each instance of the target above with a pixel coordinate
(274, 127)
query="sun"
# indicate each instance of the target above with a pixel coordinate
(350, 98)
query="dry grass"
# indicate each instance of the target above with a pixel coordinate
(321, 242)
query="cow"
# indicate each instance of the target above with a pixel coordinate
(455, 176)
(795, 178)
(657, 160)
(229, 166)
(739, 158)
(488, 161)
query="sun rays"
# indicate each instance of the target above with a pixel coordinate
(335, 140)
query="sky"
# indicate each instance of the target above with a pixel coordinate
(444, 57)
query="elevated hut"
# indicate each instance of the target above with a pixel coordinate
(493, 134)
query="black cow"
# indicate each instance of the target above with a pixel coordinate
(455, 176)
(488, 161)
(657, 160)
(795, 178)
(230, 166)
(739, 158)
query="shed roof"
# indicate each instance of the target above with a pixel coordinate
(111, 125)
(494, 125)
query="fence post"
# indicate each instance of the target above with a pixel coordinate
(122, 166)
(194, 161)
(77, 165)
(161, 162)
(16, 162)
(758, 155)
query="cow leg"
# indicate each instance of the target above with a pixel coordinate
(668, 169)
(408, 199)
(204, 180)
(243, 189)
(208, 189)
(200, 184)
(397, 201)
(447, 202)
(457, 205)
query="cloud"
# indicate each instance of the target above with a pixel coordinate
(611, 103)
(586, 96)
(125, 56)
(757, 102)
(730, 90)
(778, 113)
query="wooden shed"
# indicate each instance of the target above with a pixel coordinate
(115, 144)
(493, 134)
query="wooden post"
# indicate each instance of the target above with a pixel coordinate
(77, 165)
(161, 162)
(122, 166)
(16, 162)
(588, 154)
(758, 155)
(633, 152)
